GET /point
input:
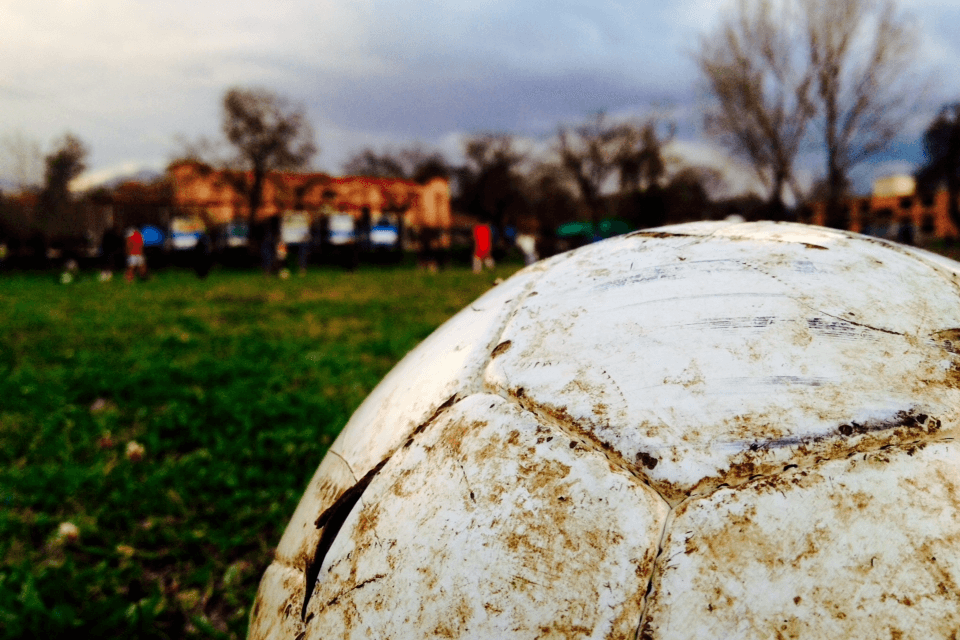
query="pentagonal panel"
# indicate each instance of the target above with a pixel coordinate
(705, 354)
(276, 613)
(448, 363)
(857, 548)
(488, 524)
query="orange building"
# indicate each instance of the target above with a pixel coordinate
(894, 201)
(217, 195)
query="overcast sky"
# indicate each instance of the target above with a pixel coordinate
(129, 76)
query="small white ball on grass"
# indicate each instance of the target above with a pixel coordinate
(68, 532)
(135, 451)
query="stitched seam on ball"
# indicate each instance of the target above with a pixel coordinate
(477, 384)
(332, 521)
(653, 573)
(344, 461)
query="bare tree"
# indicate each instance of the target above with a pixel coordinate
(595, 153)
(861, 52)
(491, 185)
(268, 134)
(942, 144)
(23, 160)
(639, 159)
(591, 155)
(202, 149)
(760, 86)
(423, 165)
(411, 163)
(689, 193)
(552, 200)
(375, 165)
(63, 164)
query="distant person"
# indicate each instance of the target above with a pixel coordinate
(527, 243)
(70, 271)
(281, 261)
(135, 259)
(428, 253)
(111, 253)
(482, 247)
(37, 250)
(302, 250)
(203, 255)
(905, 232)
(269, 240)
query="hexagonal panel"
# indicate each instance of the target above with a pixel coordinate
(858, 548)
(488, 524)
(448, 363)
(706, 354)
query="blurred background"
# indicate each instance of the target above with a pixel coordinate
(534, 115)
(220, 226)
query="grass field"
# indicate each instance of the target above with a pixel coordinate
(234, 386)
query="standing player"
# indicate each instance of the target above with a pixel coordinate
(482, 247)
(135, 260)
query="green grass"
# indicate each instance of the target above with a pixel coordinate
(234, 385)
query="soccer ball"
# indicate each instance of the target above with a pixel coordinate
(711, 430)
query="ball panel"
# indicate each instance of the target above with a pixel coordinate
(276, 610)
(470, 529)
(857, 548)
(282, 587)
(448, 363)
(950, 268)
(762, 231)
(890, 277)
(703, 360)
(805, 233)
(299, 540)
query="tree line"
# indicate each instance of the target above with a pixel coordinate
(601, 168)
(780, 78)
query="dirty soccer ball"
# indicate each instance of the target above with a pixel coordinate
(710, 430)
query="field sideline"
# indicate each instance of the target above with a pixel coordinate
(234, 386)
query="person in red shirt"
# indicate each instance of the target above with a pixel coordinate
(482, 246)
(135, 260)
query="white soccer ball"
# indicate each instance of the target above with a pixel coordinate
(712, 430)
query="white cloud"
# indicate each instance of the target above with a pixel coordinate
(865, 175)
(90, 179)
(738, 178)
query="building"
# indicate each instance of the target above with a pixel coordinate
(218, 196)
(894, 202)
